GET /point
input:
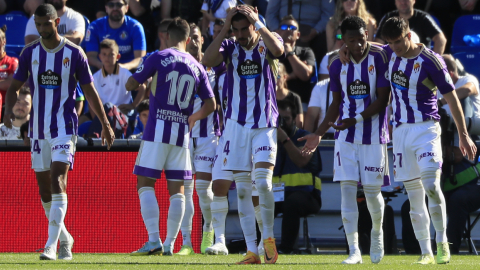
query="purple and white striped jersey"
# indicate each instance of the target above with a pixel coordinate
(177, 77)
(415, 82)
(251, 84)
(358, 83)
(208, 126)
(52, 76)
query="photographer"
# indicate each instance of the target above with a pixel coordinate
(297, 174)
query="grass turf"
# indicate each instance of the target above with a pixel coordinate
(125, 261)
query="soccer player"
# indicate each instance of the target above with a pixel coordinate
(177, 78)
(52, 64)
(203, 141)
(360, 92)
(251, 115)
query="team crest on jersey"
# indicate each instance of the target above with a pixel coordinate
(358, 90)
(35, 62)
(261, 50)
(371, 69)
(140, 69)
(249, 69)
(123, 35)
(393, 59)
(400, 80)
(235, 55)
(225, 162)
(49, 80)
(416, 67)
(66, 62)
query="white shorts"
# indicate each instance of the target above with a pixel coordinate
(153, 157)
(217, 172)
(416, 147)
(46, 151)
(254, 187)
(202, 152)
(243, 143)
(367, 163)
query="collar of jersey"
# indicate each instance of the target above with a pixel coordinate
(421, 50)
(365, 56)
(254, 44)
(116, 70)
(63, 41)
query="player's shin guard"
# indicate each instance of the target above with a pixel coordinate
(246, 211)
(205, 198)
(219, 208)
(187, 220)
(56, 217)
(436, 202)
(258, 216)
(64, 234)
(175, 215)
(349, 211)
(375, 205)
(150, 212)
(419, 214)
(263, 181)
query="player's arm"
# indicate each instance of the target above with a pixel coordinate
(302, 69)
(311, 118)
(10, 100)
(439, 43)
(97, 106)
(467, 146)
(212, 56)
(131, 84)
(207, 108)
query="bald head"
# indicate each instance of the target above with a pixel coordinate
(450, 62)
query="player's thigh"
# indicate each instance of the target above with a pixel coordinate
(63, 151)
(151, 159)
(237, 148)
(405, 166)
(204, 153)
(178, 165)
(427, 146)
(264, 145)
(345, 163)
(41, 155)
(373, 162)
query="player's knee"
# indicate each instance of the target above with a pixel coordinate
(431, 183)
(263, 180)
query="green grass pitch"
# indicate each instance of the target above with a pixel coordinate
(125, 261)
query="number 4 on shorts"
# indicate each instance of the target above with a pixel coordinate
(226, 149)
(36, 147)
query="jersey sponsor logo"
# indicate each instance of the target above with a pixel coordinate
(204, 158)
(249, 70)
(140, 69)
(61, 146)
(261, 50)
(371, 69)
(123, 35)
(373, 169)
(66, 62)
(49, 80)
(172, 116)
(358, 90)
(416, 67)
(427, 154)
(265, 148)
(400, 81)
(125, 48)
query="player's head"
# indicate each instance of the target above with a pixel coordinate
(288, 29)
(57, 4)
(143, 109)
(451, 66)
(397, 34)
(162, 32)
(196, 40)
(116, 9)
(109, 54)
(178, 32)
(404, 6)
(242, 29)
(217, 27)
(46, 21)
(287, 111)
(22, 107)
(354, 35)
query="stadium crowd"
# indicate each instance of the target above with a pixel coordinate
(118, 36)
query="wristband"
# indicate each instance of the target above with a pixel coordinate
(259, 25)
(359, 118)
(285, 141)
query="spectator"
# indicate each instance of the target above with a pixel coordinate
(319, 103)
(143, 110)
(72, 24)
(298, 172)
(299, 61)
(28, 6)
(323, 66)
(217, 27)
(24, 133)
(189, 10)
(284, 94)
(111, 79)
(21, 111)
(312, 17)
(8, 65)
(92, 9)
(213, 10)
(346, 8)
(126, 31)
(419, 21)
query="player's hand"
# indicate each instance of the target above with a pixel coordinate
(344, 55)
(313, 140)
(8, 118)
(252, 15)
(107, 135)
(343, 124)
(228, 19)
(191, 121)
(467, 146)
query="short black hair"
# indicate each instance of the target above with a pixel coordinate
(178, 29)
(125, 2)
(395, 27)
(352, 23)
(25, 90)
(239, 16)
(284, 104)
(46, 10)
(163, 25)
(289, 18)
(143, 106)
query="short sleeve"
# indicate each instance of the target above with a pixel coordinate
(91, 38)
(430, 26)
(335, 84)
(472, 79)
(83, 74)
(309, 57)
(204, 89)
(21, 73)
(31, 30)
(77, 23)
(381, 64)
(139, 41)
(438, 73)
(147, 69)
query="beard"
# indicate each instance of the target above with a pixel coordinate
(116, 17)
(58, 5)
(47, 35)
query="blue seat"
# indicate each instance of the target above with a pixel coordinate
(465, 25)
(83, 128)
(87, 23)
(16, 23)
(470, 62)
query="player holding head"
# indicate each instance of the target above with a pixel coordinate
(251, 116)
(52, 64)
(360, 93)
(416, 73)
(177, 78)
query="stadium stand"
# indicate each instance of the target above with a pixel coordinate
(470, 61)
(16, 21)
(465, 25)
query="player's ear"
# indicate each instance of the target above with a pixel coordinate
(203, 39)
(118, 56)
(366, 34)
(57, 21)
(188, 40)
